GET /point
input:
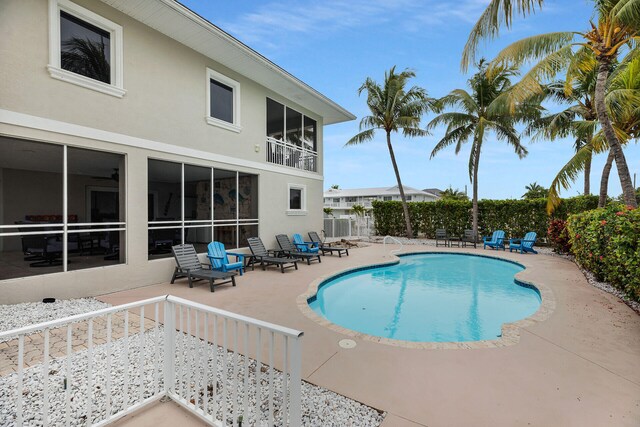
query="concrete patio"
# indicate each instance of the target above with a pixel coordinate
(579, 367)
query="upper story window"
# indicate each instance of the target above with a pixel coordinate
(288, 125)
(85, 48)
(223, 101)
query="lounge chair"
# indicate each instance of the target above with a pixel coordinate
(260, 254)
(469, 238)
(219, 258)
(188, 265)
(496, 241)
(302, 246)
(525, 244)
(441, 236)
(289, 249)
(324, 248)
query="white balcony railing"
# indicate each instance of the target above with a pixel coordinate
(97, 367)
(348, 205)
(285, 154)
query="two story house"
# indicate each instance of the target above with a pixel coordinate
(127, 127)
(342, 200)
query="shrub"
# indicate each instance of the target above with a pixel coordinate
(515, 217)
(607, 243)
(558, 236)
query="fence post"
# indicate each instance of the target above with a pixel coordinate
(295, 395)
(169, 346)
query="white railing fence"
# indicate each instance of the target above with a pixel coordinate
(97, 367)
(348, 227)
(293, 156)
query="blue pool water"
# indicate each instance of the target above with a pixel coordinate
(428, 297)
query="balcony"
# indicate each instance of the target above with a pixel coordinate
(348, 205)
(285, 154)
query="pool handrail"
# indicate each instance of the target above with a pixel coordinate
(395, 251)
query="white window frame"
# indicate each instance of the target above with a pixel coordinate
(303, 201)
(116, 88)
(235, 86)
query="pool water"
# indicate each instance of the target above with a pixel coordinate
(429, 297)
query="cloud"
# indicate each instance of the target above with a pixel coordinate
(281, 21)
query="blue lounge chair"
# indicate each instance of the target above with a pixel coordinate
(310, 247)
(219, 259)
(525, 244)
(495, 242)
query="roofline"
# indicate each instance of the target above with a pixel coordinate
(217, 31)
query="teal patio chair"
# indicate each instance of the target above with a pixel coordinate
(496, 241)
(310, 247)
(219, 259)
(525, 244)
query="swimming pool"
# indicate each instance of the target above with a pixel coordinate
(428, 297)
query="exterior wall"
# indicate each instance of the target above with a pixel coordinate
(165, 81)
(162, 116)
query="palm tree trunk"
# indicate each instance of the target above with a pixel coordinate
(604, 181)
(587, 176)
(475, 195)
(405, 208)
(628, 191)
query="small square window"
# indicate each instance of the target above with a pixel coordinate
(221, 107)
(296, 200)
(387, 198)
(85, 49)
(223, 101)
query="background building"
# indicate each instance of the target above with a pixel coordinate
(342, 200)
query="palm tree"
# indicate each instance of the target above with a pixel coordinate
(393, 108)
(580, 120)
(451, 194)
(617, 28)
(477, 117)
(359, 211)
(534, 191)
(328, 211)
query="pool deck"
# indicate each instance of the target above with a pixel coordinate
(578, 367)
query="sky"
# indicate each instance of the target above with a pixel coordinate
(334, 45)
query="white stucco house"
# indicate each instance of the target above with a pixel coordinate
(342, 200)
(130, 126)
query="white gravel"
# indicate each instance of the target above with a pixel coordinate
(320, 407)
(13, 316)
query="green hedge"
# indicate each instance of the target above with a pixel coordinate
(515, 217)
(607, 242)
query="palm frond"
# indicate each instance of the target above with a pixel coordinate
(532, 82)
(458, 136)
(497, 13)
(627, 12)
(451, 119)
(567, 175)
(364, 136)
